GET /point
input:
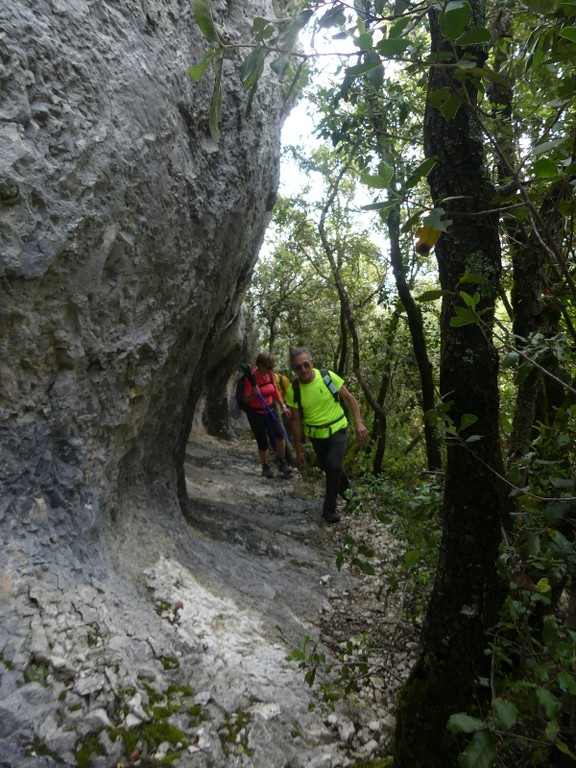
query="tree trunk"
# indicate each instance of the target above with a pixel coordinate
(380, 424)
(428, 400)
(467, 592)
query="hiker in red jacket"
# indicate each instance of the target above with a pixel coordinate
(260, 392)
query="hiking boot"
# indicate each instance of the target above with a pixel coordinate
(331, 516)
(267, 471)
(283, 467)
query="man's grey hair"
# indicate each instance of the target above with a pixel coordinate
(297, 351)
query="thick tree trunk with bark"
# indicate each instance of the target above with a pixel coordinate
(467, 592)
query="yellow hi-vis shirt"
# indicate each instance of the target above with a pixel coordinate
(322, 414)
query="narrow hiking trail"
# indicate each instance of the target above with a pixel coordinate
(268, 549)
(177, 652)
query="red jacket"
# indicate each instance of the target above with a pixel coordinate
(268, 390)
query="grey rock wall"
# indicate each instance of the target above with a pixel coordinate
(127, 236)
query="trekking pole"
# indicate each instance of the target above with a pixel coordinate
(267, 409)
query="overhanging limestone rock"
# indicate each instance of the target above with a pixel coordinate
(127, 240)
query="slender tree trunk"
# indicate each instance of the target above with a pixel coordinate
(380, 425)
(467, 592)
(428, 402)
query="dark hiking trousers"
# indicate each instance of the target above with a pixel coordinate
(331, 452)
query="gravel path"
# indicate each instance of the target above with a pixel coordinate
(359, 619)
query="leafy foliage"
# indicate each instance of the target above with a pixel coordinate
(511, 74)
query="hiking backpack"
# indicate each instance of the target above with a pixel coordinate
(325, 373)
(239, 391)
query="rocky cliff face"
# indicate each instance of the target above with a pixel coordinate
(127, 238)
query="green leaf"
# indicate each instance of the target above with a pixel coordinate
(364, 41)
(251, 68)
(262, 29)
(432, 295)
(465, 314)
(471, 301)
(567, 682)
(475, 36)
(463, 723)
(544, 168)
(469, 277)
(438, 97)
(564, 748)
(466, 64)
(196, 71)
(421, 170)
(399, 26)
(451, 106)
(467, 420)
(509, 360)
(215, 117)
(382, 180)
(569, 33)
(281, 64)
(540, 6)
(202, 10)
(480, 753)
(505, 713)
(411, 557)
(365, 567)
(334, 17)
(434, 220)
(549, 703)
(455, 19)
(392, 46)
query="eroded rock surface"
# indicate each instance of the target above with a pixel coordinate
(127, 236)
(184, 654)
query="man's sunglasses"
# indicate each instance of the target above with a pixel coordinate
(300, 366)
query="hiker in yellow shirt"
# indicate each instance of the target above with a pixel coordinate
(318, 413)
